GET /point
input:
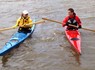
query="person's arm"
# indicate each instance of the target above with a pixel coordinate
(16, 25)
(65, 21)
(79, 22)
(30, 23)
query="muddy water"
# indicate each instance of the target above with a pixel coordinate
(48, 49)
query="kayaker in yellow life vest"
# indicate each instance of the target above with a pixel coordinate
(24, 22)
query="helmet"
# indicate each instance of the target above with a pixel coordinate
(25, 12)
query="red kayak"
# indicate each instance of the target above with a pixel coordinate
(74, 38)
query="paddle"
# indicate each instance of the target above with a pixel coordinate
(4, 29)
(69, 24)
(38, 22)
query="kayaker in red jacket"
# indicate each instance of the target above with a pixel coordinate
(73, 19)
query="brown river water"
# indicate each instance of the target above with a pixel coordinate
(48, 49)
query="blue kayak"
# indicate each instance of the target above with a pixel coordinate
(16, 40)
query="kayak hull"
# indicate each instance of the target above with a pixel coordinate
(16, 40)
(74, 38)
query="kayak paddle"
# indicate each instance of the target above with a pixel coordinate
(69, 24)
(38, 22)
(4, 29)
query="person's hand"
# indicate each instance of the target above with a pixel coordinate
(22, 25)
(79, 27)
(27, 26)
(67, 24)
(14, 27)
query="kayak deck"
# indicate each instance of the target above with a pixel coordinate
(16, 40)
(74, 38)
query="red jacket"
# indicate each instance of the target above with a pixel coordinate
(67, 18)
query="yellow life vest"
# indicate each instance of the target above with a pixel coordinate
(22, 21)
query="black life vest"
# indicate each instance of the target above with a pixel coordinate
(72, 21)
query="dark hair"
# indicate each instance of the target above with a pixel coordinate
(72, 10)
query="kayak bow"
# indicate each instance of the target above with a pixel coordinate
(74, 38)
